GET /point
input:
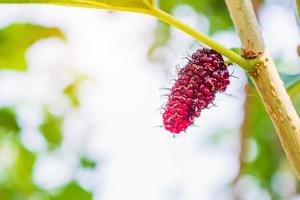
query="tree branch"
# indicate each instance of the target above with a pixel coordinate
(267, 81)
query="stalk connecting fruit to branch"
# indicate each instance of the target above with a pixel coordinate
(247, 64)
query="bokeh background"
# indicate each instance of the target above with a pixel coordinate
(81, 96)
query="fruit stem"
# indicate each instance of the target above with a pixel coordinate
(231, 55)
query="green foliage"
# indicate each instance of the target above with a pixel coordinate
(8, 121)
(23, 169)
(290, 79)
(71, 91)
(161, 37)
(51, 130)
(215, 10)
(86, 162)
(19, 184)
(15, 40)
(143, 6)
(236, 50)
(292, 83)
(72, 191)
(297, 10)
(16, 182)
(258, 128)
(294, 92)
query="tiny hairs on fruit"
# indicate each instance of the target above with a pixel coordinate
(198, 81)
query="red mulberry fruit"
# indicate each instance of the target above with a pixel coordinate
(204, 75)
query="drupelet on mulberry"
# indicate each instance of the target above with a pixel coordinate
(203, 76)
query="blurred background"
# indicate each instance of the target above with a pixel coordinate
(81, 96)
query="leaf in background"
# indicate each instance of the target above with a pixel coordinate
(143, 6)
(292, 83)
(294, 92)
(215, 10)
(51, 130)
(289, 79)
(15, 40)
(19, 183)
(23, 171)
(8, 121)
(86, 162)
(71, 91)
(294, 89)
(161, 37)
(73, 192)
(6, 194)
(236, 50)
(257, 127)
(297, 11)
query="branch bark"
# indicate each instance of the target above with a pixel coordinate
(267, 81)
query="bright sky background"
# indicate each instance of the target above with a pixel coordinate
(116, 123)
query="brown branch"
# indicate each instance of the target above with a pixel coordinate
(267, 81)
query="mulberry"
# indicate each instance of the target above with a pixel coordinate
(203, 76)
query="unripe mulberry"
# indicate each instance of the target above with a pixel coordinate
(203, 76)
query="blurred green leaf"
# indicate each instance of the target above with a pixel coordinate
(15, 40)
(87, 162)
(8, 121)
(215, 10)
(51, 130)
(71, 91)
(297, 11)
(289, 79)
(258, 127)
(73, 192)
(236, 50)
(294, 92)
(23, 171)
(19, 184)
(5, 194)
(143, 6)
(292, 83)
(294, 89)
(161, 37)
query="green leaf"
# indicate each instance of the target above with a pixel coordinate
(143, 6)
(8, 121)
(15, 40)
(73, 192)
(258, 128)
(289, 79)
(18, 183)
(297, 11)
(161, 37)
(51, 130)
(236, 50)
(215, 10)
(71, 91)
(294, 92)
(23, 171)
(6, 194)
(294, 89)
(292, 83)
(87, 162)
